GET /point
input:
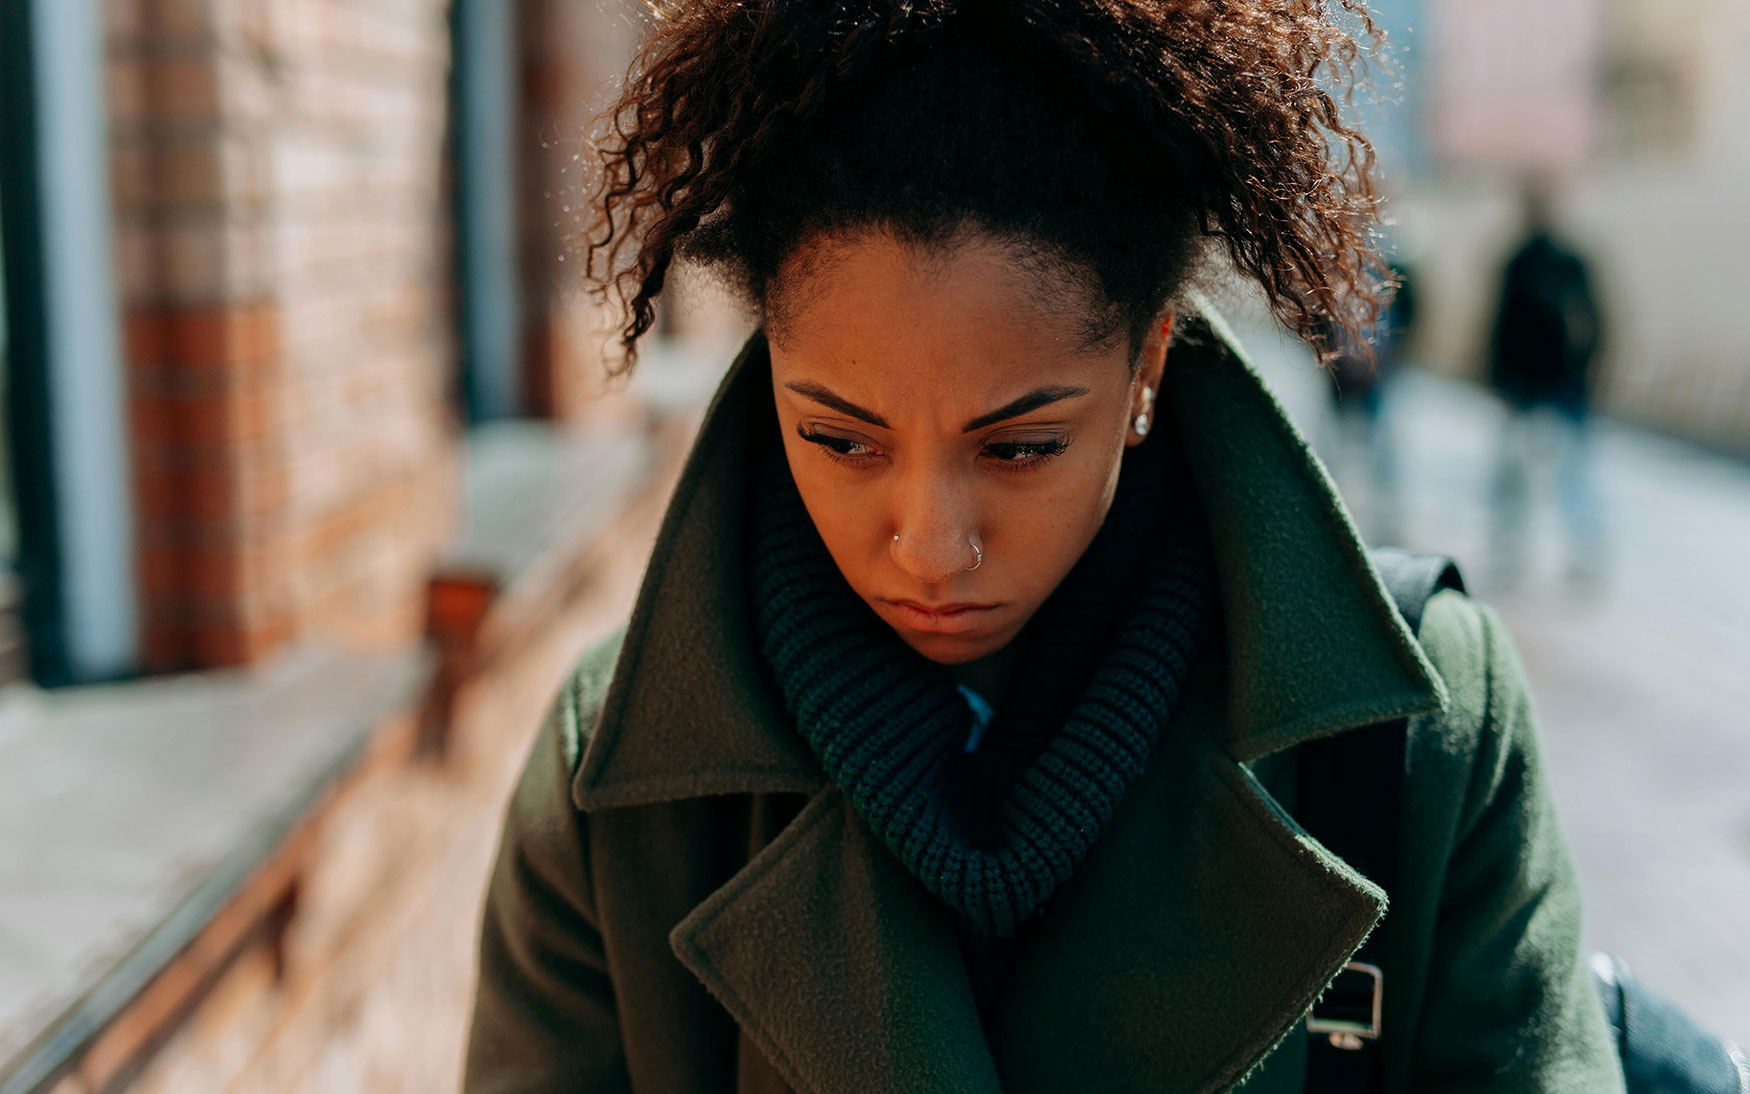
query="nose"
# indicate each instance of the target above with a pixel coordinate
(932, 539)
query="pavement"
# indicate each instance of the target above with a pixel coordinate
(1639, 661)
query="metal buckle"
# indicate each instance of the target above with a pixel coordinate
(1349, 1031)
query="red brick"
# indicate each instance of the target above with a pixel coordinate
(190, 175)
(157, 494)
(143, 335)
(123, 20)
(222, 336)
(125, 91)
(152, 419)
(185, 20)
(221, 424)
(233, 491)
(164, 647)
(239, 643)
(203, 418)
(225, 577)
(131, 183)
(382, 504)
(161, 571)
(184, 90)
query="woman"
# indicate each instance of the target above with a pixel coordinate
(951, 744)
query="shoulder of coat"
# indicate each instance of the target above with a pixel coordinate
(1460, 635)
(580, 698)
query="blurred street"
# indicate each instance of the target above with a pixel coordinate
(1640, 675)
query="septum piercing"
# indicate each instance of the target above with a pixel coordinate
(977, 553)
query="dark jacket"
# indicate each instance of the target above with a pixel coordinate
(683, 903)
(1547, 328)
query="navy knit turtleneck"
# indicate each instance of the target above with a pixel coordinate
(1099, 674)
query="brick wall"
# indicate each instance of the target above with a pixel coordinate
(572, 59)
(279, 179)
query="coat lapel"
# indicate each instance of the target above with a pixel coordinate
(688, 710)
(1315, 644)
(1194, 938)
(838, 965)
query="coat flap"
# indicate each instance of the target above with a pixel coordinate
(838, 965)
(1194, 939)
(1317, 645)
(689, 681)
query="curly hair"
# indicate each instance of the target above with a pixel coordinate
(1124, 138)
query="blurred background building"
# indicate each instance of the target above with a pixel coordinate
(1634, 109)
(315, 488)
(310, 459)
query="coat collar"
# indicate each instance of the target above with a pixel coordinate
(1295, 580)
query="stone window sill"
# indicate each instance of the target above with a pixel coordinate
(132, 814)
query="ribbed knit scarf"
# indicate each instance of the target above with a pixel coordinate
(889, 726)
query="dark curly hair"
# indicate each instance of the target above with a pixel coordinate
(1119, 137)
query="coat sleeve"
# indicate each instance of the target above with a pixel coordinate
(1510, 1005)
(544, 1011)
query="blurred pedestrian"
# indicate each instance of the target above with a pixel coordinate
(1361, 372)
(955, 738)
(1542, 362)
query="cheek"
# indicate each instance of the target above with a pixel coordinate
(1057, 520)
(841, 504)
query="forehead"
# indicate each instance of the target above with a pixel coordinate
(964, 324)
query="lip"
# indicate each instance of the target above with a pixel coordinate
(955, 618)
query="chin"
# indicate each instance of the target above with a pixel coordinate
(954, 649)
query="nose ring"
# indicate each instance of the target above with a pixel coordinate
(977, 553)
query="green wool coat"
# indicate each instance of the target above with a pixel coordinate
(683, 903)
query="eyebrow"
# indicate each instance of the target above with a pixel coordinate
(825, 397)
(1031, 401)
(1014, 408)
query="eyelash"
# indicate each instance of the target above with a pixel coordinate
(830, 445)
(1031, 454)
(1021, 455)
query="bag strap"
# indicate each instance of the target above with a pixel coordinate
(1663, 1050)
(1334, 775)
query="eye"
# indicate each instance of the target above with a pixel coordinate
(847, 449)
(1017, 454)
